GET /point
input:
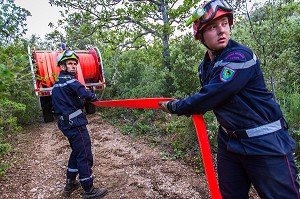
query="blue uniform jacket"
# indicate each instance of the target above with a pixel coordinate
(233, 87)
(68, 96)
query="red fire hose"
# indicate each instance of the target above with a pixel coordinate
(133, 103)
(206, 156)
(200, 129)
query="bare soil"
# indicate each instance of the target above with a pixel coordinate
(128, 167)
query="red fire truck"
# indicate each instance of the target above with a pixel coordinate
(45, 72)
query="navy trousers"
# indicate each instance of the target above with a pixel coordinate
(273, 177)
(81, 157)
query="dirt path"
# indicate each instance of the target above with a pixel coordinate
(127, 167)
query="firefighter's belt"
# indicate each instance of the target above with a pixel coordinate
(72, 115)
(257, 131)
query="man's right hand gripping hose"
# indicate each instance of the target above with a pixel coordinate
(169, 106)
(164, 106)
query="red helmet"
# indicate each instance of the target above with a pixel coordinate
(212, 10)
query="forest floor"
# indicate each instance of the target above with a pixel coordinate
(128, 167)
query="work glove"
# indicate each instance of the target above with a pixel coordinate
(164, 106)
(95, 99)
(169, 106)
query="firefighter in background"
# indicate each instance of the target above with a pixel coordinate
(68, 97)
(254, 146)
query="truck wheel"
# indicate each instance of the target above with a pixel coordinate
(46, 106)
(90, 108)
(48, 115)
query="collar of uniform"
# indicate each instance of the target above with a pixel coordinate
(217, 54)
(65, 75)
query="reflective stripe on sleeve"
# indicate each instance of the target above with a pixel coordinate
(237, 65)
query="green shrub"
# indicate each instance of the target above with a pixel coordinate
(9, 113)
(3, 168)
(4, 149)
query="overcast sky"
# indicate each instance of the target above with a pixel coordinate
(42, 13)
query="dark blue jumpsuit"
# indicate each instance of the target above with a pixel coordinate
(254, 146)
(68, 97)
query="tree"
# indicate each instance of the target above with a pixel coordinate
(15, 78)
(275, 39)
(12, 21)
(126, 23)
(12, 26)
(15, 98)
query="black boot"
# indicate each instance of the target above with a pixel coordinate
(95, 193)
(71, 186)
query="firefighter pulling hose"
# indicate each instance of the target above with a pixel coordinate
(254, 145)
(68, 97)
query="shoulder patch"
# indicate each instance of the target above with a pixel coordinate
(226, 74)
(235, 56)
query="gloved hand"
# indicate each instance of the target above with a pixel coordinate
(164, 106)
(95, 99)
(169, 106)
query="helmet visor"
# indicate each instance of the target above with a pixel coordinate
(212, 7)
(69, 53)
